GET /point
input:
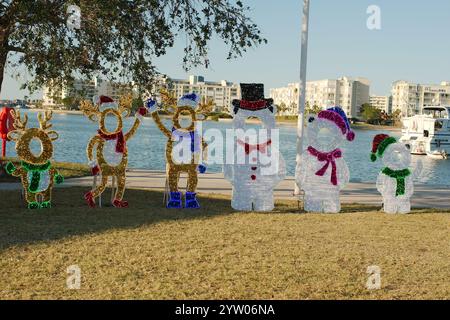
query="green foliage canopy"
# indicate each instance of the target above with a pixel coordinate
(370, 113)
(117, 39)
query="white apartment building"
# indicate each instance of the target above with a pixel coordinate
(286, 98)
(350, 94)
(85, 89)
(410, 98)
(382, 102)
(222, 93)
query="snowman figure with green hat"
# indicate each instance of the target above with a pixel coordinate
(395, 181)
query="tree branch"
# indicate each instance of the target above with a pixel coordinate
(15, 49)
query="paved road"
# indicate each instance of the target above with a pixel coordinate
(364, 193)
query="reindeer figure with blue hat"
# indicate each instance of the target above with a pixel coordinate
(323, 172)
(185, 147)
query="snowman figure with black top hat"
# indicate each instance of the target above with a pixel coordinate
(262, 167)
(396, 180)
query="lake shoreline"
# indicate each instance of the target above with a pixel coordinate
(366, 126)
(287, 123)
(147, 148)
(293, 123)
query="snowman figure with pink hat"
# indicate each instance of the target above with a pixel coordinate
(323, 172)
(396, 180)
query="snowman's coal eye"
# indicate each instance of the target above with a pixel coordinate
(311, 119)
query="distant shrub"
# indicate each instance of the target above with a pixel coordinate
(215, 116)
(287, 117)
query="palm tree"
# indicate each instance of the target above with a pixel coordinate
(282, 108)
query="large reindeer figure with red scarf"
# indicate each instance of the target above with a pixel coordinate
(110, 146)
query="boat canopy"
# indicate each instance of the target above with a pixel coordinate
(437, 112)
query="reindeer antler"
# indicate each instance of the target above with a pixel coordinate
(206, 106)
(168, 100)
(44, 119)
(126, 103)
(19, 124)
(89, 109)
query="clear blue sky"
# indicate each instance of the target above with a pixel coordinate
(413, 44)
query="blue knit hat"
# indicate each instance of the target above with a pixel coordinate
(189, 100)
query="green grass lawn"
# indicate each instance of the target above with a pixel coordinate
(66, 169)
(148, 252)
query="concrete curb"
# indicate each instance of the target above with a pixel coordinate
(426, 196)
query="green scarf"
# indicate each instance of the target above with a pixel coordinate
(400, 176)
(35, 173)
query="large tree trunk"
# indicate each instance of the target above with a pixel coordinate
(3, 53)
(3, 56)
(6, 23)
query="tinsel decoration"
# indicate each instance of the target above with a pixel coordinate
(252, 98)
(189, 105)
(36, 172)
(399, 176)
(339, 118)
(327, 157)
(379, 145)
(396, 180)
(6, 125)
(326, 133)
(110, 147)
(252, 184)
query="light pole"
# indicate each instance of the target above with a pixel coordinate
(302, 92)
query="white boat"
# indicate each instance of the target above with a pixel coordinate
(428, 133)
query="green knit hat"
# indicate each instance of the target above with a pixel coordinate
(379, 145)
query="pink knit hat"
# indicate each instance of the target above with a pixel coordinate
(338, 116)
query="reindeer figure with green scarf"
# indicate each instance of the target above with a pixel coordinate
(35, 170)
(396, 180)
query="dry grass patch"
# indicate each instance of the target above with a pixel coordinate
(147, 252)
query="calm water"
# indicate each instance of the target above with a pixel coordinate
(146, 149)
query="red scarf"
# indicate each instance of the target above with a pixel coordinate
(329, 157)
(250, 147)
(120, 144)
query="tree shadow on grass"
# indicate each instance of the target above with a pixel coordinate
(70, 215)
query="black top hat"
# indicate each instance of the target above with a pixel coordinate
(252, 91)
(252, 98)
